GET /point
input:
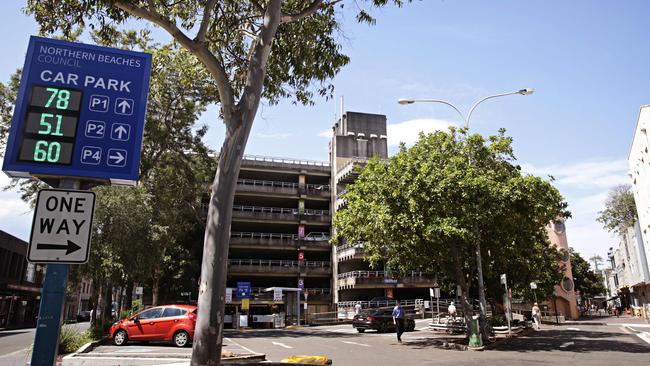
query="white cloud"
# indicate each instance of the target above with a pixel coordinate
(327, 133)
(15, 214)
(585, 175)
(278, 135)
(408, 131)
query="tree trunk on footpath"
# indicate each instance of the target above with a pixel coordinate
(127, 304)
(108, 304)
(462, 282)
(155, 287)
(97, 290)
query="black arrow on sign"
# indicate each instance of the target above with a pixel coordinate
(70, 248)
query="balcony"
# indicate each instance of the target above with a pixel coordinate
(349, 251)
(278, 267)
(315, 294)
(267, 187)
(378, 279)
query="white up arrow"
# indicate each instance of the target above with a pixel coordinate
(124, 105)
(120, 130)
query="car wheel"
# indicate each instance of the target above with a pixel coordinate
(360, 330)
(181, 338)
(120, 337)
(410, 327)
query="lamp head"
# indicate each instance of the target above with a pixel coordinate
(405, 101)
(527, 91)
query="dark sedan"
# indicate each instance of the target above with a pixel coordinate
(380, 320)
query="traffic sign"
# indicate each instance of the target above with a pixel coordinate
(79, 113)
(62, 226)
(244, 290)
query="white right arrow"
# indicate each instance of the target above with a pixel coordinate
(118, 159)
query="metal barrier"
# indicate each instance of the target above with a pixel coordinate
(270, 159)
(265, 209)
(278, 263)
(267, 183)
(317, 212)
(372, 274)
(244, 234)
(318, 187)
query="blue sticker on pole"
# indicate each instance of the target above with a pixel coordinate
(79, 113)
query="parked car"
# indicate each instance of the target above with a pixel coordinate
(167, 323)
(83, 316)
(380, 320)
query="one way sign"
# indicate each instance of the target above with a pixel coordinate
(62, 226)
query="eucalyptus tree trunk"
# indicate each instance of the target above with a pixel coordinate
(127, 304)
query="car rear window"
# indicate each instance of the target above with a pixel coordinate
(169, 312)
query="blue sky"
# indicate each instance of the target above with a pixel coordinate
(587, 61)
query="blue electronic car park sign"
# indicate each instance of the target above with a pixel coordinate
(79, 113)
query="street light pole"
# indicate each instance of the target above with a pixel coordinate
(466, 119)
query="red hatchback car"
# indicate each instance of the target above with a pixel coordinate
(170, 323)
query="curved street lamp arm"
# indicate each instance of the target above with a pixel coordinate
(462, 117)
(469, 114)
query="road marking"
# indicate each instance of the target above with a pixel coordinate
(567, 344)
(281, 344)
(239, 345)
(573, 328)
(625, 330)
(645, 336)
(357, 344)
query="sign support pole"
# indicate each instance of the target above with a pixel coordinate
(50, 313)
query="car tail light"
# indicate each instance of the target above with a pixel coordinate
(370, 318)
(192, 316)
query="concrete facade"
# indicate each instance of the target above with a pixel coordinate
(565, 296)
(280, 233)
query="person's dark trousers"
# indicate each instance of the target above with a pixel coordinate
(400, 328)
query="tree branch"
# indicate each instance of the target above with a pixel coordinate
(209, 60)
(207, 14)
(256, 5)
(311, 9)
(259, 56)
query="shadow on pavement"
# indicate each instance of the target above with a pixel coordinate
(12, 332)
(574, 341)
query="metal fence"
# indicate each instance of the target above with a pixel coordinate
(251, 235)
(278, 263)
(271, 159)
(267, 183)
(373, 274)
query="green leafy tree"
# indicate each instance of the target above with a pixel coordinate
(426, 207)
(252, 49)
(588, 282)
(620, 210)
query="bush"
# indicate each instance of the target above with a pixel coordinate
(498, 321)
(96, 332)
(71, 339)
